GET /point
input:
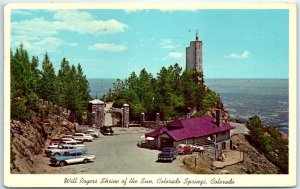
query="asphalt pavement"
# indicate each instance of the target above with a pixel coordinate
(119, 154)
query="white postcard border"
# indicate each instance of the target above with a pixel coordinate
(57, 180)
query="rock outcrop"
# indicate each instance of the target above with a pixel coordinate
(31, 137)
(224, 113)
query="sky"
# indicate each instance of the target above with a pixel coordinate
(114, 43)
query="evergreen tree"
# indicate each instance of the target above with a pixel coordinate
(83, 85)
(23, 84)
(62, 82)
(47, 88)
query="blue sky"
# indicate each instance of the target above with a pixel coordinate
(113, 43)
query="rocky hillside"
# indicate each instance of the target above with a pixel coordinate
(31, 137)
(218, 104)
(254, 162)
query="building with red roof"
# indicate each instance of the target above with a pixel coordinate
(206, 131)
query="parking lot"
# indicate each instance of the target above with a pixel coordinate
(119, 154)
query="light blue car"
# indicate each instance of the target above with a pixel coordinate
(72, 156)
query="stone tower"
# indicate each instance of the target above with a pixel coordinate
(194, 55)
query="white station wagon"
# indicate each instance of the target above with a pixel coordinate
(83, 137)
(74, 156)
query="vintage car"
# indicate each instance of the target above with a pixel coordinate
(167, 154)
(61, 149)
(197, 148)
(71, 142)
(106, 130)
(184, 149)
(83, 137)
(67, 139)
(67, 136)
(72, 156)
(55, 141)
(92, 132)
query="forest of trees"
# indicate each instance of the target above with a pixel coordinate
(172, 93)
(68, 87)
(270, 142)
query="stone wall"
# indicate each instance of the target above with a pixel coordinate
(152, 124)
(63, 111)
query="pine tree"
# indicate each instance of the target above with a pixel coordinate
(23, 84)
(47, 81)
(62, 82)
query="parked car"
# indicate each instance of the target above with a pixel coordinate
(92, 132)
(184, 149)
(68, 136)
(106, 130)
(73, 156)
(72, 142)
(167, 153)
(55, 141)
(197, 148)
(83, 137)
(61, 149)
(67, 139)
(52, 146)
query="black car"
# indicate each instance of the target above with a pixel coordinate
(105, 130)
(167, 154)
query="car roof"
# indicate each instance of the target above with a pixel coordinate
(168, 148)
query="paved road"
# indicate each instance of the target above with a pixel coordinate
(119, 154)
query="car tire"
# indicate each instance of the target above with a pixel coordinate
(62, 163)
(56, 154)
(85, 161)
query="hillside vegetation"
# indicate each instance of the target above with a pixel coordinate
(172, 93)
(270, 142)
(68, 87)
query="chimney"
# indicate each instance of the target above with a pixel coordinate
(218, 118)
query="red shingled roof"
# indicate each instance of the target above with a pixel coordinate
(190, 128)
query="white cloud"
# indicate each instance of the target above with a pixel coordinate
(49, 44)
(175, 54)
(68, 20)
(38, 27)
(108, 47)
(243, 55)
(167, 44)
(45, 31)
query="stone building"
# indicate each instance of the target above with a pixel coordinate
(210, 133)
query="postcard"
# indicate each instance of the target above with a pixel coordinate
(150, 95)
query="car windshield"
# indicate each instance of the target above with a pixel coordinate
(167, 150)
